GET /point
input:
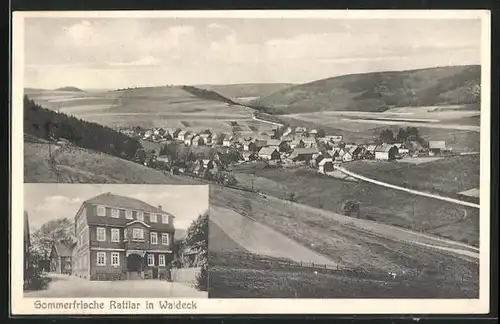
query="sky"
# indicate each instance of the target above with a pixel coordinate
(111, 53)
(45, 202)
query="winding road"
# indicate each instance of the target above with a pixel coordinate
(415, 192)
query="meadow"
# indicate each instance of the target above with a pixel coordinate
(344, 242)
(381, 204)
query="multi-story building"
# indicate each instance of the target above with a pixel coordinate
(122, 238)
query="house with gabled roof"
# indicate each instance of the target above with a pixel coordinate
(386, 152)
(309, 142)
(61, 255)
(325, 166)
(303, 154)
(121, 237)
(269, 153)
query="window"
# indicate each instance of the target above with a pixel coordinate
(101, 234)
(164, 219)
(101, 258)
(140, 216)
(151, 259)
(153, 237)
(164, 238)
(128, 214)
(138, 233)
(115, 235)
(125, 234)
(161, 260)
(115, 259)
(101, 211)
(153, 218)
(115, 213)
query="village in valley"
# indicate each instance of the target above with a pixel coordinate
(285, 146)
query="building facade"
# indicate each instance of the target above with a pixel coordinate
(122, 238)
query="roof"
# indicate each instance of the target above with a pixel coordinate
(324, 161)
(437, 144)
(371, 147)
(113, 200)
(384, 148)
(273, 142)
(268, 150)
(309, 139)
(63, 250)
(299, 151)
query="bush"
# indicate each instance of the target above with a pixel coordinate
(36, 281)
(201, 283)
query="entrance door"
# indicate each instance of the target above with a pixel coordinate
(155, 273)
(134, 262)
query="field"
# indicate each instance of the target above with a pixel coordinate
(230, 278)
(347, 242)
(149, 107)
(76, 165)
(382, 204)
(446, 176)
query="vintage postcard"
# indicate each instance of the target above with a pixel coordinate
(251, 162)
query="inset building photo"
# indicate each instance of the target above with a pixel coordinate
(117, 240)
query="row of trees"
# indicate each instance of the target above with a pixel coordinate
(48, 124)
(403, 135)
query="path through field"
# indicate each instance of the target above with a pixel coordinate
(260, 239)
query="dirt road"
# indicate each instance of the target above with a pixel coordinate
(260, 239)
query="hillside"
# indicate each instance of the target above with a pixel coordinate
(77, 165)
(72, 89)
(245, 90)
(376, 92)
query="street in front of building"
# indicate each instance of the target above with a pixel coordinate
(67, 286)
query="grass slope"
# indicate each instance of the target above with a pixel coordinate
(377, 92)
(218, 241)
(76, 165)
(382, 204)
(235, 275)
(442, 273)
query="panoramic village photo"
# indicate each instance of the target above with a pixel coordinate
(115, 241)
(341, 156)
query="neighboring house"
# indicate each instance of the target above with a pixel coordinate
(303, 154)
(300, 130)
(188, 139)
(286, 132)
(336, 138)
(227, 142)
(175, 133)
(386, 152)
(27, 245)
(316, 158)
(437, 147)
(181, 136)
(281, 144)
(148, 134)
(309, 142)
(355, 151)
(296, 143)
(249, 156)
(260, 143)
(346, 156)
(120, 237)
(197, 141)
(207, 138)
(163, 159)
(325, 165)
(249, 146)
(269, 153)
(61, 256)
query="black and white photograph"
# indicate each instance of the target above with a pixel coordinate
(88, 240)
(341, 155)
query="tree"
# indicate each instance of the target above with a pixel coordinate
(321, 133)
(58, 230)
(350, 207)
(140, 156)
(197, 239)
(386, 136)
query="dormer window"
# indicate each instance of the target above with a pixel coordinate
(128, 214)
(115, 213)
(164, 219)
(140, 216)
(101, 211)
(153, 218)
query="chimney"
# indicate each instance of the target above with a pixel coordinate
(159, 207)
